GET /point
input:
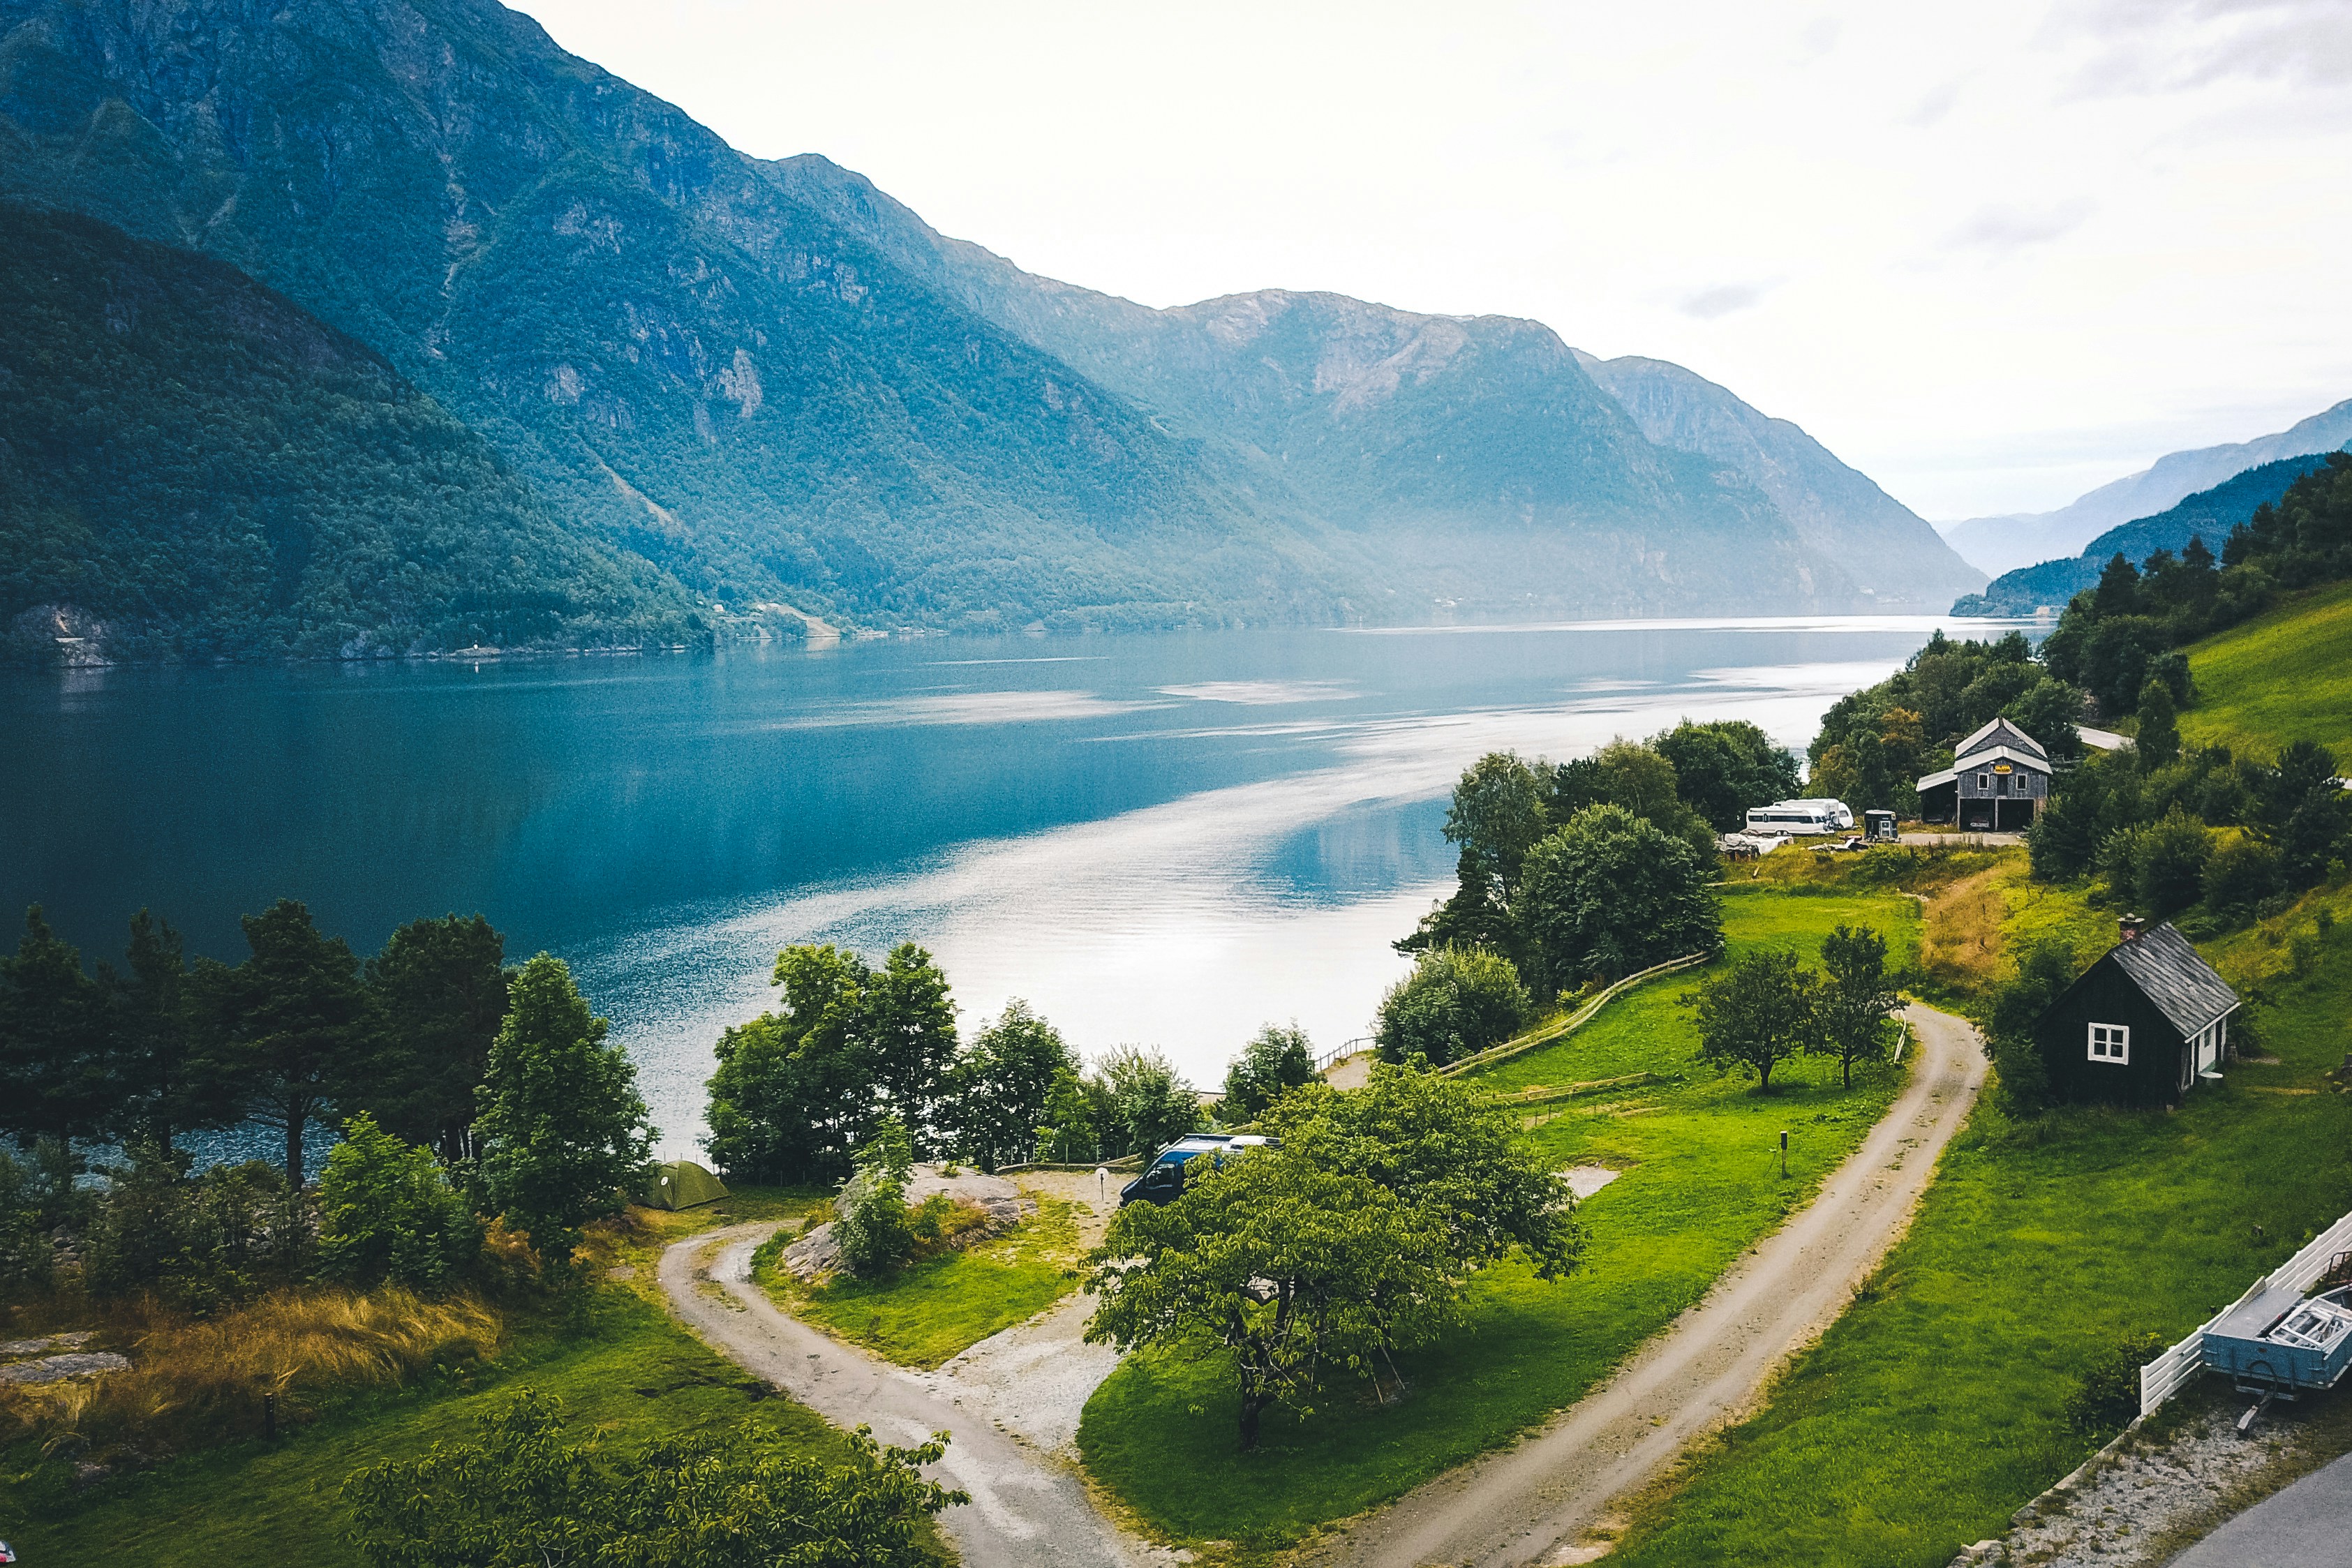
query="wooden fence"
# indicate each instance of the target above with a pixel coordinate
(1568, 1025)
(2165, 1376)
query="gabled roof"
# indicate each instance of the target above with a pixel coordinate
(2000, 733)
(2169, 973)
(1983, 759)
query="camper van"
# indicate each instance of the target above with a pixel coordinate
(1162, 1180)
(1796, 817)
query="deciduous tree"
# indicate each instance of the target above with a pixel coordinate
(1276, 1060)
(1456, 1002)
(1856, 1004)
(1609, 895)
(386, 1211)
(1757, 1014)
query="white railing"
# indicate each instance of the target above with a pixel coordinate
(2165, 1376)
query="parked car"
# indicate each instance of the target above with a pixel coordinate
(1162, 1180)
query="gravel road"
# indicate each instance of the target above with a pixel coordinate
(1028, 1509)
(1531, 1503)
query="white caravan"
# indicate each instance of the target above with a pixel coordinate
(1799, 817)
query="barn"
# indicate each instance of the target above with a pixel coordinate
(2141, 1026)
(1997, 780)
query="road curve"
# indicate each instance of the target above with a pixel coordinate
(1027, 1511)
(1518, 1506)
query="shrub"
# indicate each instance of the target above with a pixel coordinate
(873, 1230)
(2108, 1395)
(1456, 1002)
(196, 1244)
(1276, 1060)
(387, 1212)
(26, 1256)
(2242, 874)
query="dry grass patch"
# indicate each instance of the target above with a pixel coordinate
(1961, 945)
(206, 1379)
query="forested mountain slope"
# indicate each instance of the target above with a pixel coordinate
(2209, 515)
(192, 465)
(776, 384)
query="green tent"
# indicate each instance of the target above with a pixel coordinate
(679, 1184)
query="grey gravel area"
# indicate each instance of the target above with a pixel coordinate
(2134, 1506)
(57, 1368)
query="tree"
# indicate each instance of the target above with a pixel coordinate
(1855, 1001)
(1498, 813)
(2241, 875)
(2050, 712)
(1350, 1243)
(53, 1040)
(795, 1093)
(1456, 1002)
(1610, 894)
(2160, 866)
(386, 1211)
(290, 1028)
(2159, 741)
(1001, 1084)
(1756, 1015)
(2045, 970)
(1149, 1104)
(1067, 1130)
(1726, 766)
(910, 1021)
(2118, 589)
(520, 1496)
(562, 1129)
(871, 1223)
(1276, 1060)
(153, 1049)
(441, 986)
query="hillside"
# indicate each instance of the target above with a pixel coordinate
(1838, 511)
(2283, 676)
(2209, 515)
(2004, 544)
(329, 508)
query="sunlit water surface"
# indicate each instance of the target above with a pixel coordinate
(1162, 839)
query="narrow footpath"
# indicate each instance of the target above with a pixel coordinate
(1028, 1509)
(1530, 1504)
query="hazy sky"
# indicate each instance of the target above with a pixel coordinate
(1992, 254)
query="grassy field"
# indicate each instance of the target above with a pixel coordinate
(629, 1371)
(1701, 1181)
(941, 1305)
(1935, 1407)
(2283, 676)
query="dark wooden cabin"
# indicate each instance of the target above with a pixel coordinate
(2141, 1026)
(1999, 779)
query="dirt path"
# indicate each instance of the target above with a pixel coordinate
(1531, 1503)
(1028, 1509)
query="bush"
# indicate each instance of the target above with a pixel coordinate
(196, 1244)
(1277, 1060)
(1149, 1103)
(876, 1235)
(26, 1256)
(2242, 874)
(1456, 1002)
(387, 1212)
(2108, 1396)
(1609, 893)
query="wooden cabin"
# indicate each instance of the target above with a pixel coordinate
(1999, 779)
(2140, 1027)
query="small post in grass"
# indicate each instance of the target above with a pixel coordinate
(1102, 1187)
(1784, 1154)
(269, 1418)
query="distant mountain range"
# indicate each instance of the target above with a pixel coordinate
(2003, 544)
(2209, 515)
(721, 381)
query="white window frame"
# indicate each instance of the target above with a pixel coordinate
(2111, 1043)
(1984, 783)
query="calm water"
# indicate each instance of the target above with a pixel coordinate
(1166, 840)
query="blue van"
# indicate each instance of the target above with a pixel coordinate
(1162, 1180)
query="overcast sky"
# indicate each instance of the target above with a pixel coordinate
(1992, 254)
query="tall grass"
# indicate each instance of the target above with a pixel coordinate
(204, 1380)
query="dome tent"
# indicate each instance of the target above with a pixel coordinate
(679, 1184)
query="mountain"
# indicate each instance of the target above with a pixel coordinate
(328, 508)
(2005, 543)
(1361, 406)
(2209, 515)
(1838, 511)
(778, 386)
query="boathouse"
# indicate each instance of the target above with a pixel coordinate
(2140, 1027)
(1997, 780)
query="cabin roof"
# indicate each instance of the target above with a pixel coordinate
(1999, 732)
(2171, 974)
(1969, 764)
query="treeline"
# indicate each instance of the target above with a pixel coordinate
(855, 1053)
(466, 1091)
(1876, 743)
(1573, 873)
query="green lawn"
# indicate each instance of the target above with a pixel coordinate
(1701, 1183)
(629, 1371)
(2283, 676)
(938, 1306)
(1934, 1409)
